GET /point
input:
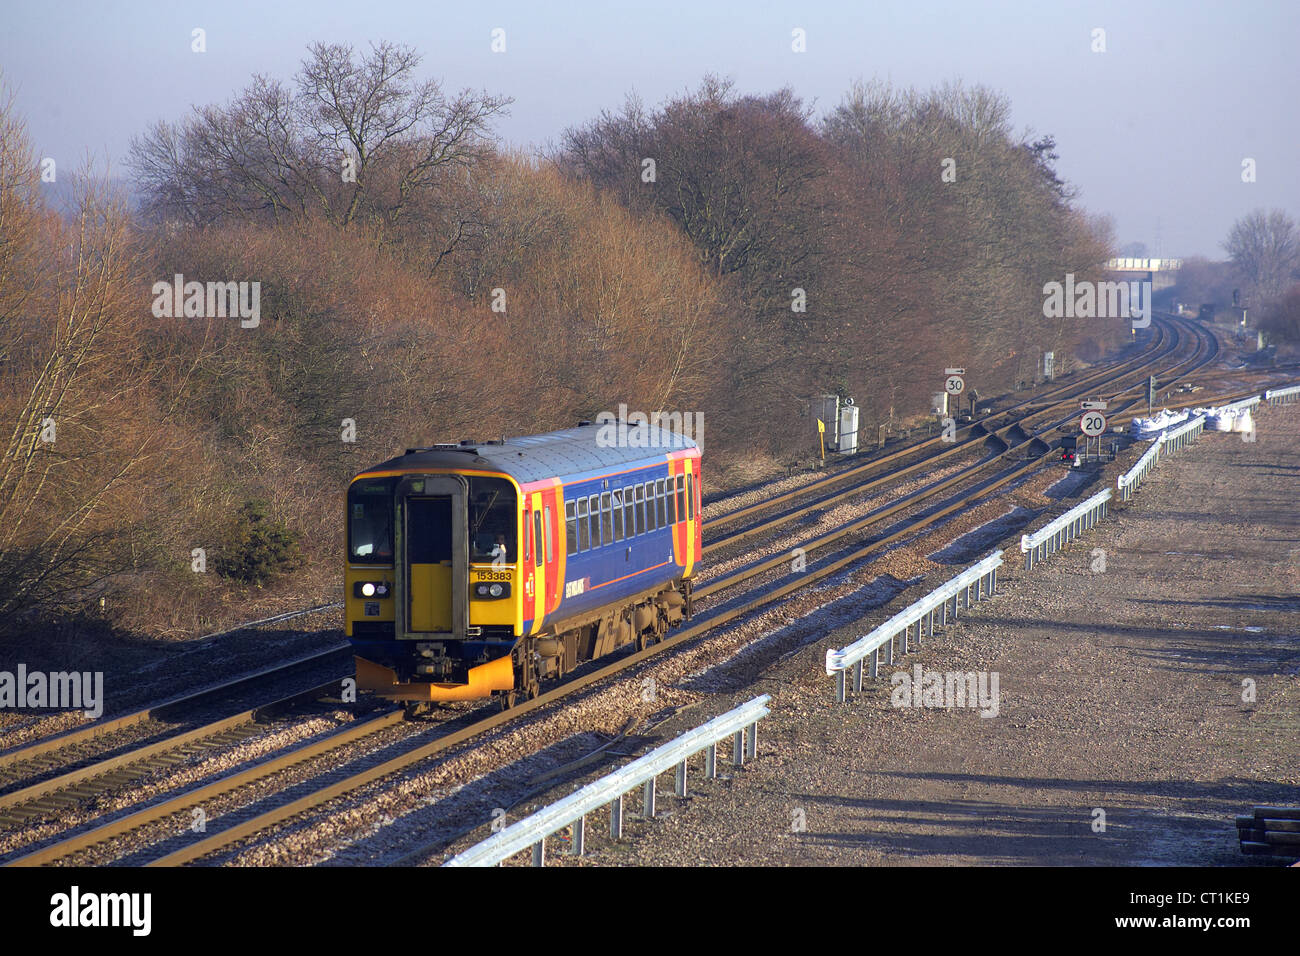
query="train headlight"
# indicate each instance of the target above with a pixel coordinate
(369, 589)
(495, 590)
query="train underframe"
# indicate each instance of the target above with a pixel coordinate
(549, 655)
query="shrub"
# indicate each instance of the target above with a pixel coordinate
(254, 549)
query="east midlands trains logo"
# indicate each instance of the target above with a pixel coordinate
(626, 429)
(1098, 300)
(210, 300)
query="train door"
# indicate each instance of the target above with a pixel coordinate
(537, 576)
(432, 557)
(551, 553)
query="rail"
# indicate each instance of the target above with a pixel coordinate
(1061, 531)
(274, 619)
(610, 789)
(982, 577)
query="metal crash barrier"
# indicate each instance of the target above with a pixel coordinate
(740, 724)
(974, 584)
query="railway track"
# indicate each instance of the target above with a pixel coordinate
(965, 436)
(30, 762)
(179, 804)
(998, 426)
(149, 727)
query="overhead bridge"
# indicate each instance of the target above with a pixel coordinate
(1159, 272)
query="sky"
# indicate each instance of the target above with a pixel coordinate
(1153, 131)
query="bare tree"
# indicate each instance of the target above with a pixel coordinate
(355, 137)
(1265, 249)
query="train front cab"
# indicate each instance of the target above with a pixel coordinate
(444, 529)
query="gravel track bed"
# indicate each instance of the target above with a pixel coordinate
(737, 664)
(165, 782)
(757, 494)
(167, 670)
(147, 732)
(815, 524)
(1121, 692)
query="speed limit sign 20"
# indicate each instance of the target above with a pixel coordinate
(1092, 424)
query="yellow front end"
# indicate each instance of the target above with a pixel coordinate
(483, 680)
(431, 611)
(500, 611)
(492, 613)
(366, 608)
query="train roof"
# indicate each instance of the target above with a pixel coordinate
(571, 452)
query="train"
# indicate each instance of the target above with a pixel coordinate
(481, 569)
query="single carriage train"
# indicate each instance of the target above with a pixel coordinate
(483, 568)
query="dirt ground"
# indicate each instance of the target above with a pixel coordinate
(1125, 731)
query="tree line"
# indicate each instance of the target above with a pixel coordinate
(724, 253)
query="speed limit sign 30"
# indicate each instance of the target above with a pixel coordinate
(1092, 424)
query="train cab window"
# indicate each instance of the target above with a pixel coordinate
(640, 509)
(650, 524)
(537, 538)
(618, 514)
(546, 537)
(606, 519)
(690, 497)
(584, 528)
(663, 504)
(595, 521)
(493, 520)
(370, 522)
(681, 497)
(571, 527)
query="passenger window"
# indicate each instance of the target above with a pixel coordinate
(570, 527)
(606, 519)
(618, 515)
(672, 500)
(629, 519)
(595, 521)
(650, 523)
(537, 539)
(681, 497)
(690, 497)
(640, 509)
(547, 537)
(663, 505)
(584, 529)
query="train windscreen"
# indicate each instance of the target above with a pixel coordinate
(370, 522)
